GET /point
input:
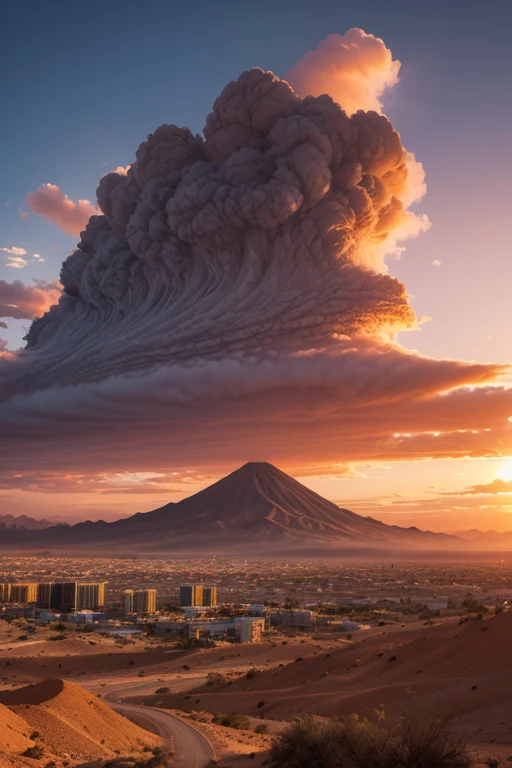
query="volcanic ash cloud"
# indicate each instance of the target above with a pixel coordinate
(250, 240)
(232, 265)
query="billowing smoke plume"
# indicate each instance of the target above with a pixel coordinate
(247, 241)
(228, 284)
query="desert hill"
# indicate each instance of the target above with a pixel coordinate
(257, 505)
(68, 721)
(14, 735)
(461, 672)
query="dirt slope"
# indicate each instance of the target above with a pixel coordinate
(461, 672)
(73, 721)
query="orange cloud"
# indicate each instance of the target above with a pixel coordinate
(354, 68)
(22, 301)
(50, 202)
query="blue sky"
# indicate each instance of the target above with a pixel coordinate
(82, 86)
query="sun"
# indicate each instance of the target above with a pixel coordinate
(505, 469)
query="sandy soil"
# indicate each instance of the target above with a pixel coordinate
(70, 723)
(461, 672)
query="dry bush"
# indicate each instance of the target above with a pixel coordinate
(356, 743)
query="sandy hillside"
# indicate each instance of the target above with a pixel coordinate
(14, 732)
(461, 672)
(71, 721)
(76, 659)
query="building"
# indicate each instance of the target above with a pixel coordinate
(44, 595)
(90, 596)
(244, 629)
(190, 595)
(301, 619)
(61, 595)
(128, 601)
(195, 595)
(23, 593)
(68, 595)
(5, 593)
(251, 629)
(144, 601)
(209, 597)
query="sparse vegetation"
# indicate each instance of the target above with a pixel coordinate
(36, 752)
(358, 743)
(240, 722)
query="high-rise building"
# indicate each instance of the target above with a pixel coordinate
(128, 601)
(190, 595)
(69, 596)
(44, 595)
(144, 601)
(91, 596)
(209, 596)
(23, 593)
(61, 595)
(5, 593)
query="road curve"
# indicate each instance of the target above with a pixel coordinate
(191, 749)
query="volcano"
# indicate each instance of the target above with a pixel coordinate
(257, 507)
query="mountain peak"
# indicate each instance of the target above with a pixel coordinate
(257, 504)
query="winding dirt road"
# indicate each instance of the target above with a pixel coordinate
(191, 749)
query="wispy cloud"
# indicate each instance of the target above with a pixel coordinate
(14, 251)
(16, 257)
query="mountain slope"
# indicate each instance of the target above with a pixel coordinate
(254, 506)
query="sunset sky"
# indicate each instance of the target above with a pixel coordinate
(420, 442)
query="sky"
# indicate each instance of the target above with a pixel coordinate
(82, 87)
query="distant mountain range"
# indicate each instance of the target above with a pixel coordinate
(23, 523)
(256, 509)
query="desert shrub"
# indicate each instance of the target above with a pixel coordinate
(162, 690)
(240, 722)
(35, 752)
(215, 678)
(260, 704)
(355, 743)
(261, 728)
(34, 735)
(252, 673)
(470, 605)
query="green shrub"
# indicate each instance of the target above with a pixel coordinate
(240, 722)
(354, 743)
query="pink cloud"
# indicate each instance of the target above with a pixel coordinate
(22, 301)
(50, 202)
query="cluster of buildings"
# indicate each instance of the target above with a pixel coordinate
(63, 596)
